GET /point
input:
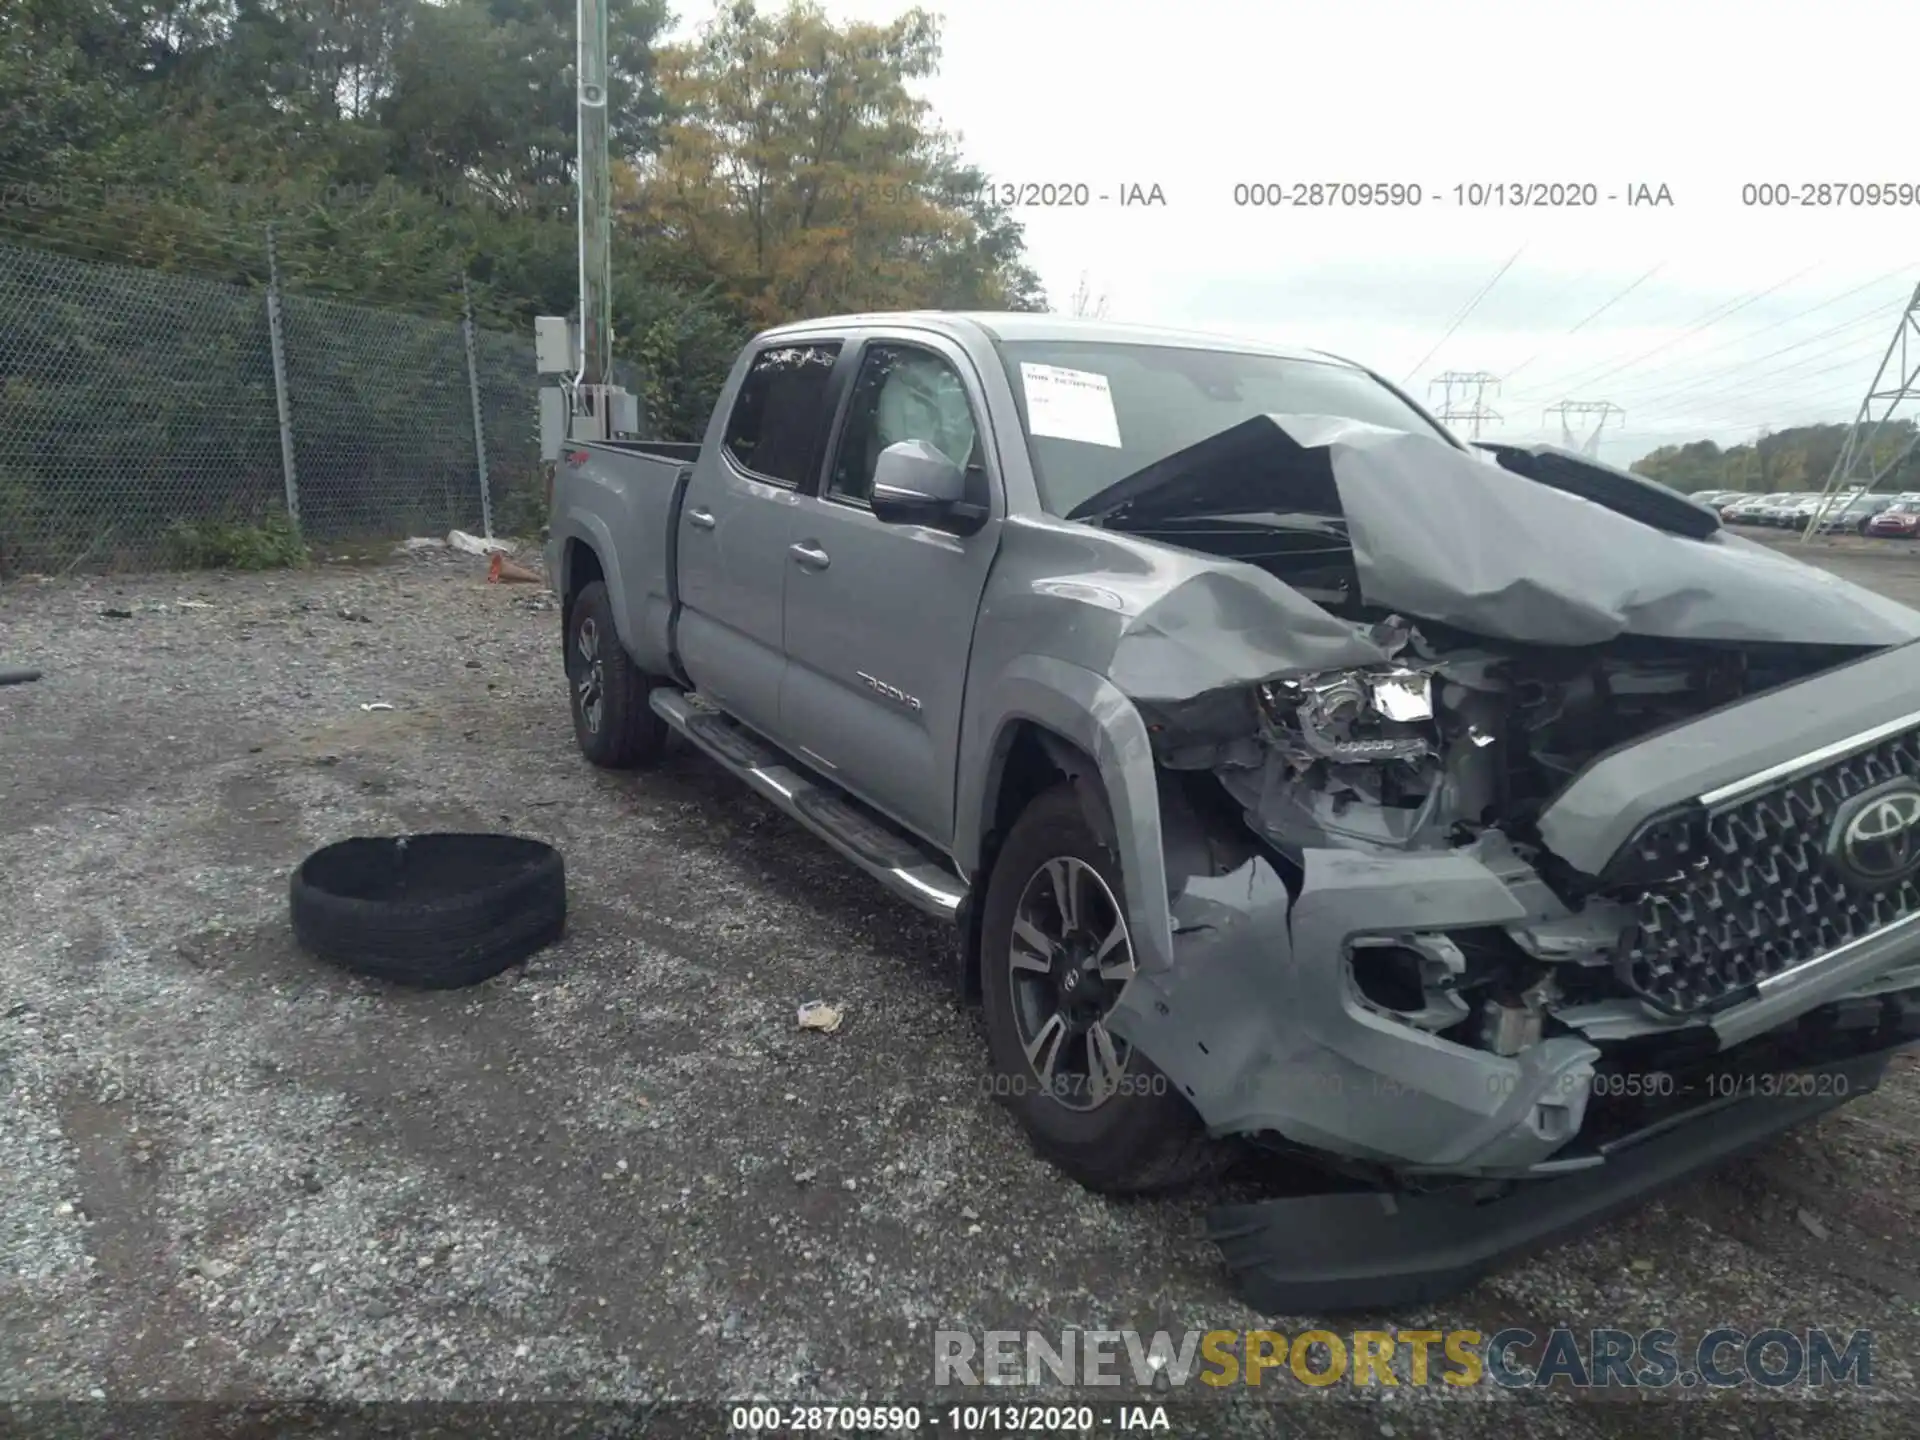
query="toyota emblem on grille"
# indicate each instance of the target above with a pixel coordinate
(1876, 836)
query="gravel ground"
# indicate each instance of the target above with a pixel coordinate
(622, 1172)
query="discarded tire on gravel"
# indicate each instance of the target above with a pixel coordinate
(434, 911)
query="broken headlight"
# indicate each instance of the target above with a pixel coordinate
(1350, 716)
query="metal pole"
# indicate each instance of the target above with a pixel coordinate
(473, 390)
(596, 226)
(276, 331)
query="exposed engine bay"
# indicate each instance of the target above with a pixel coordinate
(1443, 745)
(1461, 747)
(1472, 720)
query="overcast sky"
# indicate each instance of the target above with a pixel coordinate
(1737, 317)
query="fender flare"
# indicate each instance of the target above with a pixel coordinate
(591, 530)
(1085, 710)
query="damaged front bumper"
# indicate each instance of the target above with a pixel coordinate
(1752, 973)
(1372, 1250)
(1733, 912)
(1260, 1024)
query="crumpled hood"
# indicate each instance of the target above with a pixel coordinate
(1454, 537)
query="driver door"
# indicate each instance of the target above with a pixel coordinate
(879, 618)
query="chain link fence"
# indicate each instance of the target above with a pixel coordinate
(138, 409)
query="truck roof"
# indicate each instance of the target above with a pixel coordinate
(1031, 325)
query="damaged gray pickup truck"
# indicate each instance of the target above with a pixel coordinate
(1484, 824)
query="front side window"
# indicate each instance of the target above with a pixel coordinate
(781, 410)
(1094, 412)
(901, 393)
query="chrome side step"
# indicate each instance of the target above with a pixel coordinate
(898, 862)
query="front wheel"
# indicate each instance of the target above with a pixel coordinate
(1055, 954)
(613, 724)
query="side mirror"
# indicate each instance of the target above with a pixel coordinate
(915, 484)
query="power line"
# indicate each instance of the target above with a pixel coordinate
(1767, 381)
(1786, 320)
(1709, 388)
(1744, 376)
(1799, 402)
(1711, 318)
(1778, 414)
(1684, 403)
(1822, 399)
(1718, 378)
(1461, 318)
(1617, 298)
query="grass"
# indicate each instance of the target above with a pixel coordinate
(272, 544)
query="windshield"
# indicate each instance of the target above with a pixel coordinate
(1094, 412)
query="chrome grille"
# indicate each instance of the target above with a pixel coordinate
(1749, 890)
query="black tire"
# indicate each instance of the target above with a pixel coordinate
(432, 911)
(1141, 1137)
(613, 724)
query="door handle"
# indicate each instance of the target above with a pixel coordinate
(700, 519)
(811, 556)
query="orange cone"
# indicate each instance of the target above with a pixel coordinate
(504, 572)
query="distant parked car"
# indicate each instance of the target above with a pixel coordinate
(1777, 509)
(1899, 521)
(1854, 514)
(1746, 510)
(1800, 510)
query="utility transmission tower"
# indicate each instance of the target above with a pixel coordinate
(1601, 411)
(1086, 305)
(1893, 384)
(1473, 412)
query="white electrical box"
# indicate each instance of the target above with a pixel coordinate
(623, 412)
(553, 347)
(553, 421)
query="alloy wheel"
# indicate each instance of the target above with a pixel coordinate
(1068, 959)
(592, 682)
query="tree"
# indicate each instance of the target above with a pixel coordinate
(399, 146)
(483, 95)
(797, 165)
(1800, 457)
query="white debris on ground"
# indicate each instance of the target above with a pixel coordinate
(473, 545)
(819, 1015)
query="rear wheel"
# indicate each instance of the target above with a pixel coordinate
(613, 724)
(1055, 955)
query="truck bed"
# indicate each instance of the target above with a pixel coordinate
(622, 498)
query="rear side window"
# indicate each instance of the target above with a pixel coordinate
(782, 408)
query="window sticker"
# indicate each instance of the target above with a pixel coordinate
(1070, 405)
